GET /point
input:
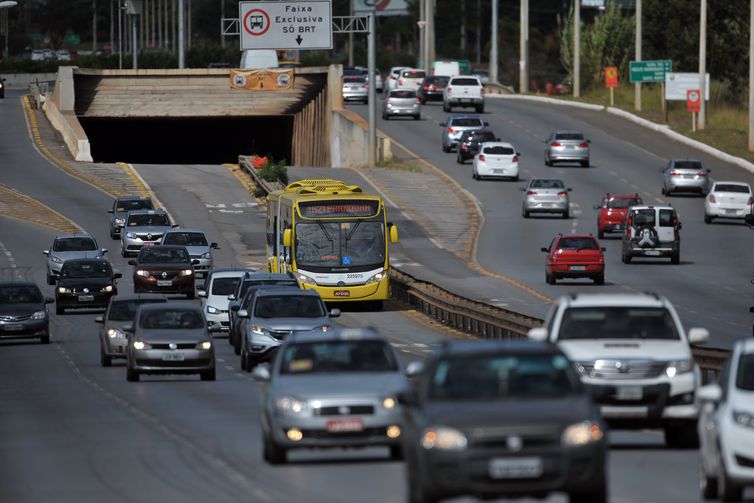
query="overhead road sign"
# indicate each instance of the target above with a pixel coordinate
(678, 84)
(381, 7)
(649, 71)
(286, 25)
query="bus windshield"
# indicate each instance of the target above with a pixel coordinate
(340, 244)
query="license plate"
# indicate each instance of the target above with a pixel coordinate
(569, 147)
(166, 282)
(150, 243)
(731, 212)
(629, 393)
(652, 253)
(86, 298)
(342, 293)
(515, 468)
(497, 171)
(173, 357)
(344, 425)
(578, 268)
(13, 328)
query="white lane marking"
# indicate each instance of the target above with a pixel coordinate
(214, 205)
(234, 212)
(435, 243)
(244, 205)
(11, 261)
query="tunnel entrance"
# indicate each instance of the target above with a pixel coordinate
(188, 140)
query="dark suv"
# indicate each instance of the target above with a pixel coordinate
(431, 88)
(164, 269)
(471, 142)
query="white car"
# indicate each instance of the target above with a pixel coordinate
(496, 160)
(410, 78)
(726, 427)
(728, 200)
(219, 284)
(392, 77)
(634, 356)
(63, 55)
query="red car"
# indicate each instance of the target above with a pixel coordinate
(575, 256)
(613, 212)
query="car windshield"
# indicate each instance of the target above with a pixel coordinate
(133, 204)
(172, 319)
(125, 310)
(185, 239)
(340, 244)
(150, 255)
(617, 323)
(464, 82)
(621, 203)
(74, 244)
(569, 136)
(745, 375)
(482, 136)
(498, 150)
(154, 220)
(20, 295)
(695, 165)
(289, 306)
(547, 184)
(467, 122)
(729, 187)
(403, 94)
(81, 269)
(503, 376)
(355, 79)
(577, 244)
(338, 356)
(437, 81)
(643, 217)
(225, 286)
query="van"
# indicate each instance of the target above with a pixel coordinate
(259, 58)
(447, 68)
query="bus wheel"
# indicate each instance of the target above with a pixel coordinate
(375, 305)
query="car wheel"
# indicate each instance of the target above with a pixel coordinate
(445, 108)
(626, 258)
(123, 252)
(396, 452)
(596, 494)
(191, 295)
(551, 279)
(675, 259)
(375, 305)
(547, 163)
(417, 117)
(209, 375)
(131, 374)
(566, 214)
(45, 339)
(444, 148)
(417, 494)
(50, 278)
(384, 117)
(251, 362)
(273, 453)
(459, 160)
(474, 175)
(237, 344)
(244, 362)
(600, 235)
(727, 490)
(480, 109)
(707, 219)
(600, 279)
(707, 484)
(422, 102)
(525, 213)
(682, 436)
(59, 310)
(584, 164)
(104, 360)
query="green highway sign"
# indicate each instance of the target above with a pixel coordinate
(649, 71)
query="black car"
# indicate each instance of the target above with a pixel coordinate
(85, 283)
(471, 142)
(502, 419)
(2, 88)
(431, 88)
(23, 311)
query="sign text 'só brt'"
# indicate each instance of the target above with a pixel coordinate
(286, 25)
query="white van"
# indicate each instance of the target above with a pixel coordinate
(259, 58)
(447, 68)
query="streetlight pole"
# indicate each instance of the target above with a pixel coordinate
(751, 76)
(523, 60)
(120, 36)
(701, 117)
(181, 35)
(577, 48)
(493, 44)
(637, 85)
(4, 6)
(371, 91)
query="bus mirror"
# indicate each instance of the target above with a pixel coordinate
(393, 234)
(287, 238)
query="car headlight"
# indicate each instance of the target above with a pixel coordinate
(212, 310)
(204, 345)
(62, 289)
(324, 328)
(142, 273)
(290, 405)
(187, 272)
(376, 278)
(441, 437)
(679, 367)
(207, 255)
(256, 329)
(304, 279)
(120, 221)
(131, 235)
(114, 333)
(39, 315)
(108, 288)
(389, 402)
(57, 259)
(582, 433)
(744, 419)
(139, 345)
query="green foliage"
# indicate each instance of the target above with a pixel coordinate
(274, 171)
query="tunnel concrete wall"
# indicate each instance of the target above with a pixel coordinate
(59, 109)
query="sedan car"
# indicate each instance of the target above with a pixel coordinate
(567, 146)
(332, 389)
(164, 269)
(23, 311)
(355, 88)
(726, 427)
(85, 284)
(728, 200)
(121, 206)
(197, 245)
(379, 85)
(685, 175)
(431, 88)
(219, 284)
(169, 338)
(120, 312)
(494, 419)
(143, 228)
(613, 211)
(496, 160)
(69, 246)
(455, 126)
(470, 141)
(401, 103)
(546, 195)
(574, 256)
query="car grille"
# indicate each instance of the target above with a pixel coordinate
(167, 274)
(280, 334)
(516, 437)
(149, 236)
(344, 410)
(87, 289)
(326, 435)
(166, 345)
(623, 369)
(6, 317)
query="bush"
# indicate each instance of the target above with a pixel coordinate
(274, 171)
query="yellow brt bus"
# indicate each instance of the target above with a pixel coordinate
(333, 238)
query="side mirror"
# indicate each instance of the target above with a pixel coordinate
(414, 368)
(680, 226)
(498, 139)
(287, 238)
(103, 250)
(589, 141)
(544, 250)
(117, 275)
(597, 206)
(751, 309)
(334, 312)
(110, 211)
(709, 170)
(698, 335)
(711, 393)
(49, 300)
(214, 245)
(537, 334)
(231, 297)
(243, 313)
(442, 124)
(518, 154)
(201, 293)
(99, 319)
(522, 189)
(235, 308)
(261, 373)
(128, 327)
(393, 233)
(46, 252)
(131, 262)
(195, 261)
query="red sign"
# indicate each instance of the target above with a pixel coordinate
(611, 76)
(693, 101)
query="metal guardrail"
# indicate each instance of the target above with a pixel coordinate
(477, 318)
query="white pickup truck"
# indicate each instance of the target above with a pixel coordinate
(463, 91)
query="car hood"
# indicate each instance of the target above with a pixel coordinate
(173, 335)
(197, 250)
(164, 267)
(85, 282)
(640, 349)
(218, 301)
(20, 309)
(341, 384)
(154, 229)
(297, 324)
(68, 255)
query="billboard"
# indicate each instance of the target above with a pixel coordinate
(677, 85)
(381, 7)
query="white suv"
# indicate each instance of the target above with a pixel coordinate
(463, 91)
(634, 355)
(652, 231)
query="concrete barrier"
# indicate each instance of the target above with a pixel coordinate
(349, 141)
(59, 108)
(22, 80)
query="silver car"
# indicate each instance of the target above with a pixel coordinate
(169, 338)
(197, 245)
(355, 88)
(121, 311)
(685, 175)
(456, 125)
(567, 146)
(401, 102)
(143, 228)
(332, 389)
(276, 314)
(69, 246)
(545, 195)
(121, 207)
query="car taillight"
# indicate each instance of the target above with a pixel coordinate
(629, 224)
(583, 145)
(562, 193)
(481, 158)
(556, 144)
(427, 88)
(531, 192)
(400, 82)
(515, 158)
(750, 201)
(390, 100)
(418, 100)
(712, 199)
(365, 86)
(702, 173)
(449, 89)
(465, 146)
(675, 173)
(481, 91)
(451, 130)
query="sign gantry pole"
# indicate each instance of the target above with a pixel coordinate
(637, 85)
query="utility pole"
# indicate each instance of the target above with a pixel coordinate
(523, 63)
(371, 91)
(751, 76)
(637, 85)
(422, 35)
(222, 16)
(430, 27)
(112, 26)
(135, 40)
(120, 36)
(493, 45)
(350, 35)
(577, 48)
(181, 35)
(702, 64)
(94, 26)
(478, 38)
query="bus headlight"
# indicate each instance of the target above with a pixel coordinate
(376, 278)
(304, 279)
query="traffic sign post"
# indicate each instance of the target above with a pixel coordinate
(611, 81)
(286, 25)
(693, 105)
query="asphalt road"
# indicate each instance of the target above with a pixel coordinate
(710, 287)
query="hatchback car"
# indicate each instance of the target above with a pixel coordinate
(652, 231)
(332, 389)
(379, 82)
(143, 228)
(196, 243)
(23, 311)
(496, 160)
(278, 313)
(169, 338)
(546, 195)
(726, 427)
(613, 211)
(121, 311)
(219, 284)
(70, 246)
(494, 419)
(470, 141)
(85, 284)
(574, 256)
(431, 88)
(455, 126)
(392, 77)
(401, 103)
(164, 269)
(355, 88)
(121, 206)
(567, 146)
(685, 175)
(728, 200)
(410, 78)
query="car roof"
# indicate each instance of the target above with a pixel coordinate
(133, 198)
(482, 347)
(229, 273)
(183, 306)
(86, 259)
(158, 297)
(164, 247)
(498, 144)
(75, 235)
(614, 300)
(568, 131)
(549, 179)
(179, 230)
(337, 334)
(287, 291)
(18, 282)
(747, 345)
(148, 212)
(622, 196)
(575, 236)
(268, 275)
(652, 207)
(465, 116)
(726, 182)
